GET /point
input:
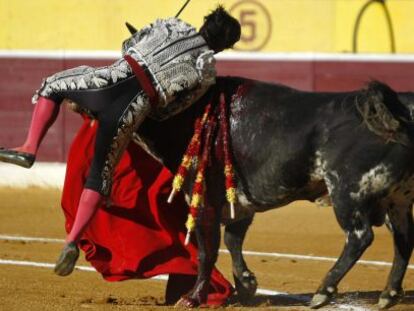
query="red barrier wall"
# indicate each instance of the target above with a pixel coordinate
(19, 77)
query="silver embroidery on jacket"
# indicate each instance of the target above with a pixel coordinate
(171, 49)
(206, 67)
(84, 77)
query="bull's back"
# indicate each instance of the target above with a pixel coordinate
(275, 133)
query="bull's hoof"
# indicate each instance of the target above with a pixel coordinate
(319, 300)
(322, 298)
(246, 285)
(187, 302)
(390, 298)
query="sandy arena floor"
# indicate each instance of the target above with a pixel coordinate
(301, 228)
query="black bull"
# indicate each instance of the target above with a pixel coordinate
(289, 145)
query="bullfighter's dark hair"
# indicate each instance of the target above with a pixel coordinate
(220, 30)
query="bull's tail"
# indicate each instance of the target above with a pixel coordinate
(384, 114)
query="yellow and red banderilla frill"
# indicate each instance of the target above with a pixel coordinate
(190, 154)
(228, 165)
(202, 136)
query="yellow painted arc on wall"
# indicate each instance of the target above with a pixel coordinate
(268, 25)
(373, 33)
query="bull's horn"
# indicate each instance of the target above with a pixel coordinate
(131, 28)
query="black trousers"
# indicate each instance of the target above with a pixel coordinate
(111, 105)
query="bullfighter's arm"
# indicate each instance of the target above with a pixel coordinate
(193, 90)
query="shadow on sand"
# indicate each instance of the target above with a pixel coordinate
(369, 298)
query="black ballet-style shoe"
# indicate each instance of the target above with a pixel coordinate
(67, 259)
(23, 159)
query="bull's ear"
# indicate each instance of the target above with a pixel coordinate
(131, 28)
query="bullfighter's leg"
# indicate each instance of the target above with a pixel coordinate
(245, 281)
(208, 238)
(84, 80)
(402, 228)
(116, 126)
(355, 222)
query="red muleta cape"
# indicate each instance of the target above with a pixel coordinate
(139, 235)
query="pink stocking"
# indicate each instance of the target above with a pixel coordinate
(88, 205)
(44, 114)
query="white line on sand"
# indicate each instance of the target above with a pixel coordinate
(248, 253)
(301, 298)
(5, 237)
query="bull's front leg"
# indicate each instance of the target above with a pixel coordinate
(208, 238)
(245, 280)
